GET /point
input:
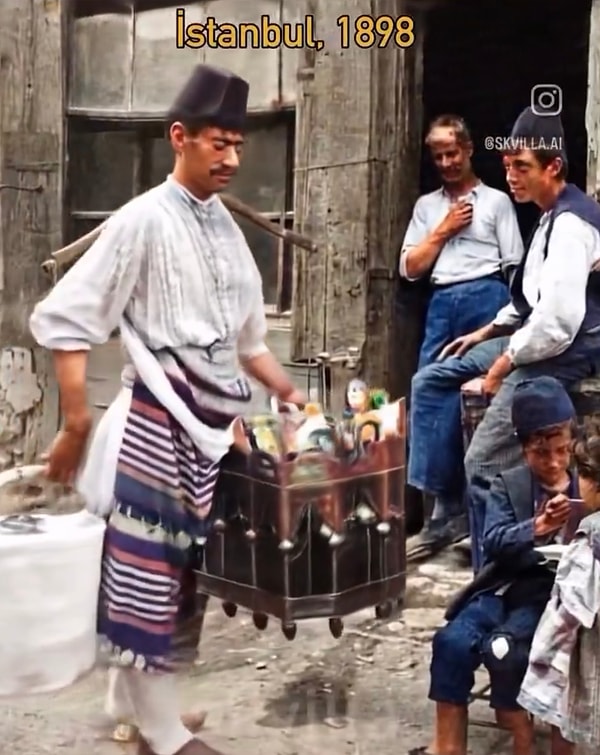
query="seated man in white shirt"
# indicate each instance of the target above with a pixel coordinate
(464, 237)
(551, 326)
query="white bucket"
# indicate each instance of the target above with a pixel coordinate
(49, 581)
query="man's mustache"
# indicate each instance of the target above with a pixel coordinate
(220, 171)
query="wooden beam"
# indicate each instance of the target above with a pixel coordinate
(357, 173)
(32, 148)
(592, 113)
(392, 344)
(71, 252)
(82, 8)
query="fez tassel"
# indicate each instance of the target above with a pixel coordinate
(76, 248)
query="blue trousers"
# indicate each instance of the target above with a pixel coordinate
(454, 311)
(465, 643)
(459, 309)
(436, 463)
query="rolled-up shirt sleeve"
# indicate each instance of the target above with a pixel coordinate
(87, 304)
(507, 317)
(558, 314)
(416, 233)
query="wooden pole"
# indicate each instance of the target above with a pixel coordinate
(32, 144)
(75, 249)
(357, 174)
(592, 113)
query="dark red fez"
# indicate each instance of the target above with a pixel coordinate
(212, 96)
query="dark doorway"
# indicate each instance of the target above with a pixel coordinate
(481, 61)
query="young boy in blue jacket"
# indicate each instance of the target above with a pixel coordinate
(492, 622)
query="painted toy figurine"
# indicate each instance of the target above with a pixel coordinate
(378, 398)
(357, 396)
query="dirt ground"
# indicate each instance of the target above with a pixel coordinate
(363, 694)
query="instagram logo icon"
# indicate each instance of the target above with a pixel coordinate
(546, 99)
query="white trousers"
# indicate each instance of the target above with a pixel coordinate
(151, 702)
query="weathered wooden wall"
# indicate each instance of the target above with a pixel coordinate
(592, 114)
(129, 63)
(357, 165)
(31, 155)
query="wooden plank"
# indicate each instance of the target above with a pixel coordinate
(332, 174)
(396, 128)
(592, 114)
(357, 168)
(31, 154)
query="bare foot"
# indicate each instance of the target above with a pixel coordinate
(194, 720)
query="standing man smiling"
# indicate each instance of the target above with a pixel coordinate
(173, 270)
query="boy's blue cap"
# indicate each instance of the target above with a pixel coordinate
(539, 403)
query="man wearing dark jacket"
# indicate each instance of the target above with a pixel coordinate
(493, 621)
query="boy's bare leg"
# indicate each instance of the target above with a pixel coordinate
(451, 724)
(520, 725)
(559, 745)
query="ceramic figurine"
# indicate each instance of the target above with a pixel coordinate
(357, 396)
(368, 424)
(314, 420)
(289, 428)
(347, 431)
(389, 415)
(265, 431)
(313, 410)
(266, 440)
(378, 398)
(322, 439)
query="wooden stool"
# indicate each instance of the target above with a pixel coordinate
(473, 405)
(586, 400)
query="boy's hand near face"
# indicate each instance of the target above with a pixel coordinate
(553, 516)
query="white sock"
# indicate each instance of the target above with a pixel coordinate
(156, 704)
(439, 510)
(118, 703)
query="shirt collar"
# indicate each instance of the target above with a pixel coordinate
(544, 218)
(187, 195)
(542, 493)
(474, 191)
